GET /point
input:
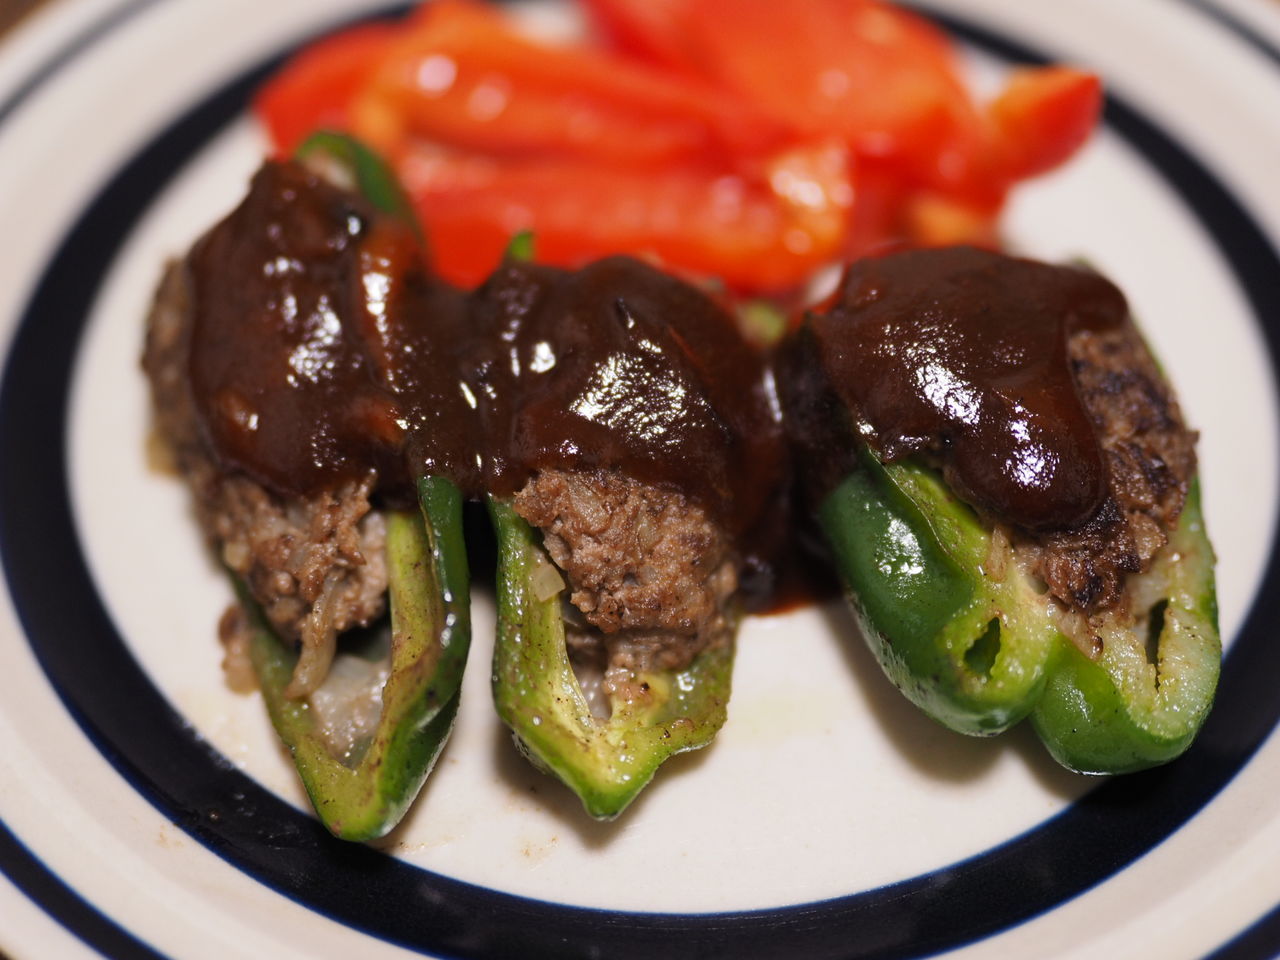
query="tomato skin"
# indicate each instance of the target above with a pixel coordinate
(1042, 118)
(655, 31)
(461, 75)
(315, 88)
(724, 137)
(941, 220)
(754, 233)
(883, 79)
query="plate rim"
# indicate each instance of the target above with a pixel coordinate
(139, 5)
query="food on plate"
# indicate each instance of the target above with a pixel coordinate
(1009, 493)
(332, 404)
(638, 470)
(271, 381)
(746, 140)
(1004, 480)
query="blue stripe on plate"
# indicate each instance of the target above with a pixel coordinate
(1261, 941)
(1235, 25)
(90, 35)
(154, 749)
(66, 906)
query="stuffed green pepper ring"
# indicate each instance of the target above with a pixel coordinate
(1009, 495)
(274, 353)
(631, 451)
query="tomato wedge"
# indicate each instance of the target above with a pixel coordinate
(766, 233)
(656, 31)
(884, 80)
(721, 136)
(460, 74)
(314, 89)
(1042, 118)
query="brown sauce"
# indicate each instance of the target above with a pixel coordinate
(283, 387)
(620, 365)
(961, 354)
(334, 352)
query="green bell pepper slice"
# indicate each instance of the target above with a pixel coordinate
(968, 649)
(1126, 709)
(976, 643)
(606, 762)
(362, 796)
(348, 164)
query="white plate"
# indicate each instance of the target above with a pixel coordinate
(146, 810)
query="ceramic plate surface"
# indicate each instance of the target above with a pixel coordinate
(147, 811)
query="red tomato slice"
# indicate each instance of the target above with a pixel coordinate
(755, 234)
(941, 220)
(460, 75)
(1042, 117)
(723, 145)
(656, 31)
(878, 210)
(313, 90)
(883, 79)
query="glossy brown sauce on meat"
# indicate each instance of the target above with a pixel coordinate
(962, 354)
(282, 385)
(619, 365)
(335, 352)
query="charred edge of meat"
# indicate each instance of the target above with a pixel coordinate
(1150, 458)
(1150, 461)
(650, 576)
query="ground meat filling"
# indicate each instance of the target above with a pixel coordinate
(646, 569)
(316, 565)
(1150, 460)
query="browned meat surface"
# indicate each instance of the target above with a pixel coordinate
(315, 564)
(237, 660)
(646, 568)
(1150, 458)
